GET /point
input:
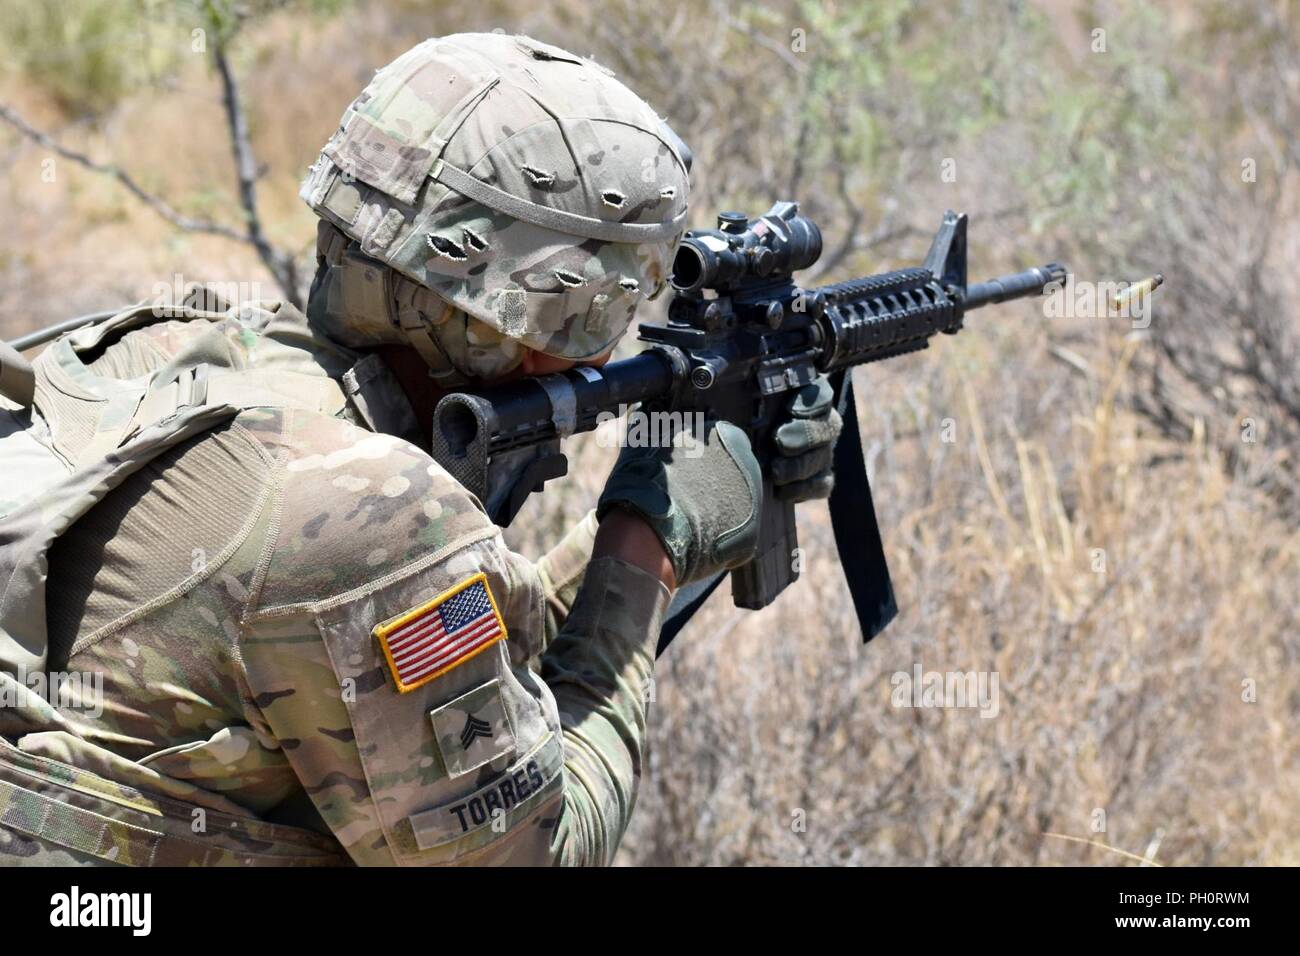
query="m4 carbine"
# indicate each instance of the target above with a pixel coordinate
(740, 336)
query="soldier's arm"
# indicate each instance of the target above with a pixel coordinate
(600, 669)
(561, 571)
(478, 759)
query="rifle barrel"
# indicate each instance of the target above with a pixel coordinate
(1029, 282)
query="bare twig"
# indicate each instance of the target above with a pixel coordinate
(180, 221)
(1072, 358)
(279, 263)
(855, 212)
(761, 39)
(1145, 861)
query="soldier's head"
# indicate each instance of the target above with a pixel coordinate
(488, 197)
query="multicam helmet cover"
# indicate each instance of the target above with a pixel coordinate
(524, 185)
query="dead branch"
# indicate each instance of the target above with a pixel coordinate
(158, 205)
(278, 262)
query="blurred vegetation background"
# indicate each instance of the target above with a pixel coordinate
(1112, 528)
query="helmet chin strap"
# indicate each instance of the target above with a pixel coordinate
(419, 318)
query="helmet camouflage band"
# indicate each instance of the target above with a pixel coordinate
(522, 184)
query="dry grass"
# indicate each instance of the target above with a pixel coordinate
(1120, 690)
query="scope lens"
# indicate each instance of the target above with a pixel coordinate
(688, 267)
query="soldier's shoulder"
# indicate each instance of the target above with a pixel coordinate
(357, 506)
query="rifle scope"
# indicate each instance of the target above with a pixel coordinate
(778, 243)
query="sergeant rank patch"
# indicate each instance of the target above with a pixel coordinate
(431, 639)
(473, 729)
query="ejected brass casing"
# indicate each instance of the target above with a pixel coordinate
(1136, 292)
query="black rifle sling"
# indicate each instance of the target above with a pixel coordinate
(857, 536)
(853, 519)
(686, 602)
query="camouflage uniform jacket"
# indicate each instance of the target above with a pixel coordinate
(232, 596)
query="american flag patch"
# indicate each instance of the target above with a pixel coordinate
(431, 639)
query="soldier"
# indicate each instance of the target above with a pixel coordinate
(273, 630)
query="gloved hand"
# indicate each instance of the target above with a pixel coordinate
(702, 500)
(805, 444)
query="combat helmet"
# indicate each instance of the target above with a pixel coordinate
(486, 193)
